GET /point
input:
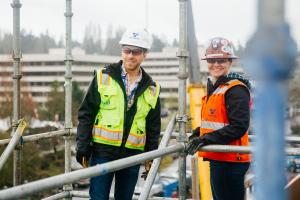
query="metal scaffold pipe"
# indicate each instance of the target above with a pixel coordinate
(182, 118)
(68, 90)
(12, 144)
(59, 196)
(36, 137)
(154, 168)
(67, 178)
(193, 61)
(270, 58)
(16, 55)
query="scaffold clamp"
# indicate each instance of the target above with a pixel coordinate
(184, 118)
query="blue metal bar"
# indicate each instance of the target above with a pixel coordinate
(270, 58)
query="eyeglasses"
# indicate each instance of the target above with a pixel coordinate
(218, 60)
(134, 52)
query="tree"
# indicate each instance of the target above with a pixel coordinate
(55, 102)
(112, 46)
(6, 43)
(175, 43)
(77, 96)
(157, 44)
(92, 39)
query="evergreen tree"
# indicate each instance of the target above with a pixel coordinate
(175, 43)
(77, 96)
(55, 104)
(112, 46)
(157, 44)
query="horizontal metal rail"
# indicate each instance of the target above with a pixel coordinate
(35, 137)
(59, 180)
(59, 196)
(240, 149)
(67, 178)
(289, 139)
(13, 142)
(82, 194)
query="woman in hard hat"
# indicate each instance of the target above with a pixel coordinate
(119, 117)
(225, 118)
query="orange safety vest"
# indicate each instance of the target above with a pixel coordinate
(214, 117)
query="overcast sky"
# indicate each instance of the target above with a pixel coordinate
(234, 19)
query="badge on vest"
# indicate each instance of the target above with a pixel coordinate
(152, 90)
(106, 102)
(212, 111)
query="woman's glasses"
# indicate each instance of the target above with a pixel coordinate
(218, 60)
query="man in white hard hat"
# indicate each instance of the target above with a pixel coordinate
(119, 117)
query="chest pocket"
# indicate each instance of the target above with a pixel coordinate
(108, 97)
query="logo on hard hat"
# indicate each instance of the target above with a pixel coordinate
(135, 35)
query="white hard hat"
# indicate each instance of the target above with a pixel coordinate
(137, 37)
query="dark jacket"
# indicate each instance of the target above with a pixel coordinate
(237, 102)
(89, 109)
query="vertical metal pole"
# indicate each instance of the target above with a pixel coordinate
(182, 54)
(270, 57)
(193, 61)
(16, 55)
(146, 14)
(68, 89)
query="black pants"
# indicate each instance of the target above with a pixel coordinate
(227, 180)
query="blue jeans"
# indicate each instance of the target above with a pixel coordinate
(227, 180)
(125, 181)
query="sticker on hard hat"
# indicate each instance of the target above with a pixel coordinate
(227, 49)
(214, 55)
(215, 43)
(224, 42)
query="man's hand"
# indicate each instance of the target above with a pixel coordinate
(194, 144)
(148, 164)
(83, 158)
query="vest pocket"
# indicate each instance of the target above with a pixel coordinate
(110, 122)
(141, 126)
(106, 98)
(107, 131)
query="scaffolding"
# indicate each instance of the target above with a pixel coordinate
(272, 61)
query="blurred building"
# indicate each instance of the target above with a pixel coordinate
(41, 70)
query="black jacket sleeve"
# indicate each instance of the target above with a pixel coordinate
(237, 101)
(153, 126)
(86, 116)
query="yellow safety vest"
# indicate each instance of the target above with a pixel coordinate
(109, 122)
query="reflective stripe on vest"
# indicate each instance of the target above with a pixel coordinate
(135, 140)
(212, 125)
(109, 123)
(102, 135)
(214, 117)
